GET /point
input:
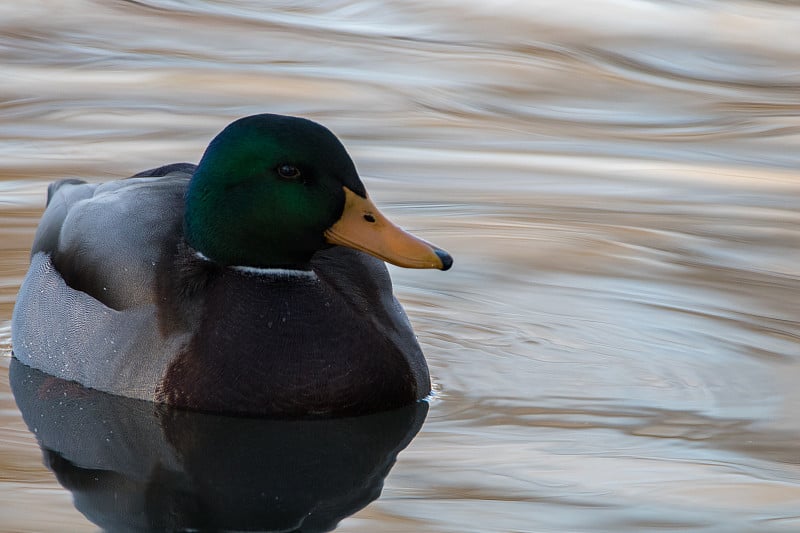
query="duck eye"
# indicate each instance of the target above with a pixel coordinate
(289, 172)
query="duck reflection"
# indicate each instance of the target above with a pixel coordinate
(134, 465)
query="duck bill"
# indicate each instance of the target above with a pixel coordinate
(364, 228)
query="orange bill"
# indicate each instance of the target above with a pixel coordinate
(364, 228)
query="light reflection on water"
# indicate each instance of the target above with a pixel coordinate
(617, 346)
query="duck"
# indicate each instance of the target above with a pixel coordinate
(253, 283)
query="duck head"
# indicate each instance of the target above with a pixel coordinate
(271, 190)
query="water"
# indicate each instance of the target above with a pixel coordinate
(618, 345)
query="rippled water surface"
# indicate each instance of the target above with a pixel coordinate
(618, 345)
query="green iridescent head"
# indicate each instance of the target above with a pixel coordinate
(271, 190)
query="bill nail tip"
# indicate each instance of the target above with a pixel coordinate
(445, 258)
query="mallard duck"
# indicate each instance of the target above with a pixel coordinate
(252, 283)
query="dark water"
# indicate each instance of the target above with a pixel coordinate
(618, 345)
